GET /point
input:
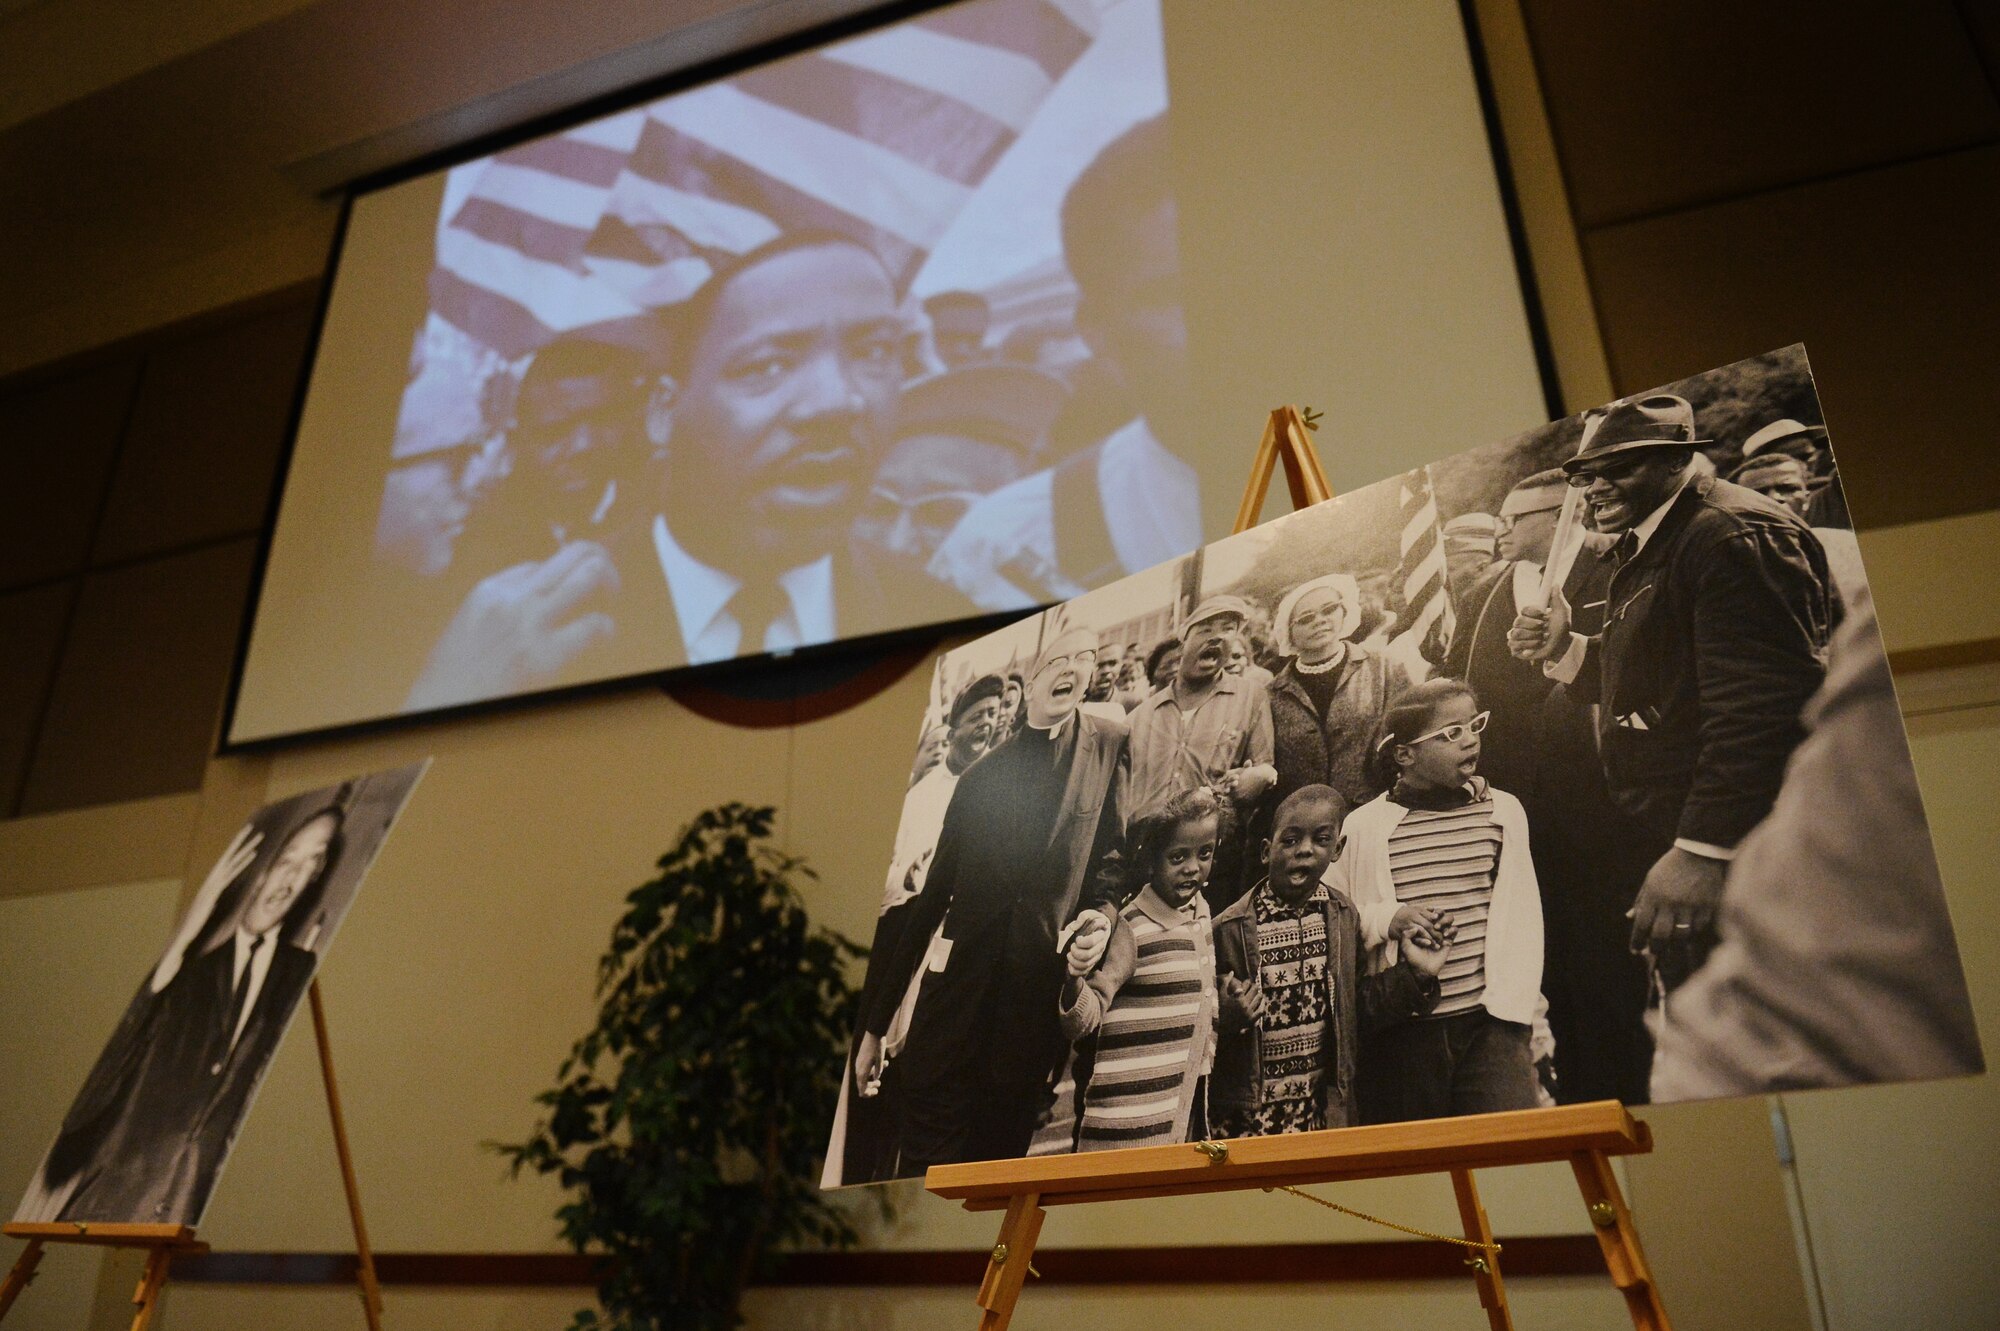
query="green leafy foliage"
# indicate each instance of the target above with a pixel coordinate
(687, 1124)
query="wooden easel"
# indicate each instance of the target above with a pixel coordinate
(163, 1243)
(1586, 1136)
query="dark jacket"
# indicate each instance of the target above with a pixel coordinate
(1333, 750)
(149, 1133)
(1511, 689)
(1716, 635)
(1362, 1004)
(990, 1015)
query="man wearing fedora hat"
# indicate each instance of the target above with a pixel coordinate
(1716, 632)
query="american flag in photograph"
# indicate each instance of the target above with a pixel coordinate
(882, 138)
(510, 271)
(1420, 573)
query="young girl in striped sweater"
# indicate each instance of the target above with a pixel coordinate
(1445, 855)
(1143, 1019)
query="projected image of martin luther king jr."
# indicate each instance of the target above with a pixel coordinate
(770, 397)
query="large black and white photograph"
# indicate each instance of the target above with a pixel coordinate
(1561, 770)
(148, 1134)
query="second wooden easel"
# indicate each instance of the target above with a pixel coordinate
(1584, 1136)
(163, 1243)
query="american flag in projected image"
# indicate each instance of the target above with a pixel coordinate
(1420, 574)
(882, 137)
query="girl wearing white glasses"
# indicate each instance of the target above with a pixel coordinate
(1443, 855)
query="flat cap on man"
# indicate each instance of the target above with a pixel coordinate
(1212, 606)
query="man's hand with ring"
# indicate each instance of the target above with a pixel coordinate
(1680, 896)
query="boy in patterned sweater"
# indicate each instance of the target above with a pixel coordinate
(1294, 999)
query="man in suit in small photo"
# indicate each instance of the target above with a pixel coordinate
(147, 1135)
(1719, 614)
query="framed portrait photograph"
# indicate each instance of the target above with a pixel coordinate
(152, 1127)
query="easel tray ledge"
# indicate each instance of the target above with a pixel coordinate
(107, 1235)
(1476, 1141)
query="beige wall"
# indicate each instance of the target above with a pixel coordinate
(463, 973)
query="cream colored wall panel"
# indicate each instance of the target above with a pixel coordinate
(1543, 199)
(1922, 604)
(69, 962)
(111, 843)
(1901, 1184)
(1407, 331)
(1714, 1173)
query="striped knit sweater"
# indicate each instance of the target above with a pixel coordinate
(1446, 859)
(1134, 1083)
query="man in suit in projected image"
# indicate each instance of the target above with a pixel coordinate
(779, 396)
(1130, 500)
(771, 395)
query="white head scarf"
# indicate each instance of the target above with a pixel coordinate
(1342, 584)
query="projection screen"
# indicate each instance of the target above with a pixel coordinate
(958, 316)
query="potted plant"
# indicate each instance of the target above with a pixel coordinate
(688, 1123)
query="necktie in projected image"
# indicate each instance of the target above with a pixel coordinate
(1420, 574)
(756, 607)
(241, 997)
(882, 138)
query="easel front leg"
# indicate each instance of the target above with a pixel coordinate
(1619, 1239)
(23, 1273)
(371, 1290)
(1485, 1265)
(151, 1281)
(1009, 1267)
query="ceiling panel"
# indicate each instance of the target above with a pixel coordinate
(141, 680)
(31, 632)
(201, 454)
(1889, 280)
(1667, 103)
(215, 147)
(58, 440)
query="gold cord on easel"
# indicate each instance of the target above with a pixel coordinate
(1479, 1263)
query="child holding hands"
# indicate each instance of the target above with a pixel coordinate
(1441, 845)
(1294, 999)
(1142, 1017)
